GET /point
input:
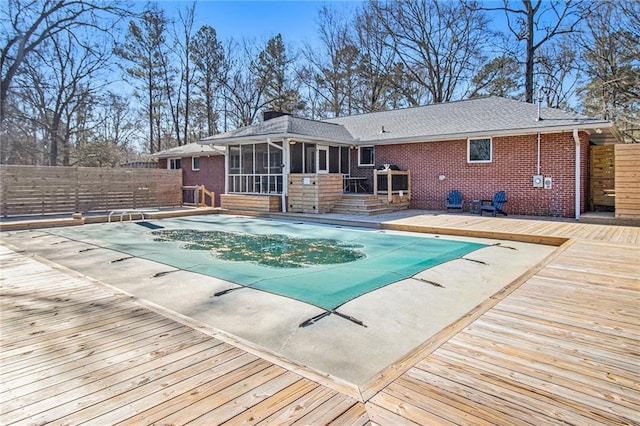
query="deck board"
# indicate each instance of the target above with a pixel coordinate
(73, 351)
(562, 347)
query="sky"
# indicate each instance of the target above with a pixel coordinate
(296, 20)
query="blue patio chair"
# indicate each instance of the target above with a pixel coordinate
(496, 204)
(454, 200)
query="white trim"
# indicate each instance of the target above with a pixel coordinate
(174, 159)
(325, 168)
(490, 160)
(576, 139)
(193, 168)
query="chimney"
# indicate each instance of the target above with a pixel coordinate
(271, 114)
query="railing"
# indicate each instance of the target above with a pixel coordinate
(255, 184)
(197, 196)
(392, 182)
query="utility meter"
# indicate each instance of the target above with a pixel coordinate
(538, 181)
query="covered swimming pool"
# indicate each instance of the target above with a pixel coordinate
(403, 289)
(324, 266)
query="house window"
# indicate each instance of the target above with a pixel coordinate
(174, 164)
(479, 150)
(366, 156)
(195, 163)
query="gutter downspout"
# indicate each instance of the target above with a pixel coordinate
(576, 139)
(284, 176)
(226, 170)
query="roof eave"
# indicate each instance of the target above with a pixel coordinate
(275, 136)
(489, 133)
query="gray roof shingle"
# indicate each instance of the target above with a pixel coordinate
(190, 150)
(289, 125)
(482, 115)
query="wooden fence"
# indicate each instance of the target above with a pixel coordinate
(628, 181)
(46, 190)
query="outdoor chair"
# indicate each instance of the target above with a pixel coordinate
(454, 200)
(495, 204)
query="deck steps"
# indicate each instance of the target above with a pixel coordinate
(364, 204)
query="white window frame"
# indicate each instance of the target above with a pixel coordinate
(470, 161)
(193, 164)
(234, 161)
(373, 156)
(171, 162)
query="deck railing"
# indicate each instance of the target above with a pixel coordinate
(196, 195)
(392, 183)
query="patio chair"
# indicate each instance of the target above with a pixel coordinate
(454, 200)
(495, 204)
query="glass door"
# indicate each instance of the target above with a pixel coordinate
(323, 159)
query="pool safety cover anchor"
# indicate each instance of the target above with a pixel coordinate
(163, 273)
(87, 249)
(229, 290)
(121, 259)
(474, 260)
(318, 317)
(433, 283)
(501, 246)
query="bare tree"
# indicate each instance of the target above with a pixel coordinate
(59, 85)
(611, 65)
(439, 43)
(243, 98)
(378, 84)
(26, 25)
(536, 23)
(335, 68)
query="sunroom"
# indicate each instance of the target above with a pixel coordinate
(285, 164)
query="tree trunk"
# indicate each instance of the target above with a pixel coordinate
(528, 82)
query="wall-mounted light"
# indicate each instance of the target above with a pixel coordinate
(441, 177)
(292, 142)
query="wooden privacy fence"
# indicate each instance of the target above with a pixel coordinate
(627, 181)
(45, 190)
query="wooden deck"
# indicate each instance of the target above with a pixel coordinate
(564, 347)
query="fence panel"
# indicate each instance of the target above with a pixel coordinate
(47, 190)
(628, 181)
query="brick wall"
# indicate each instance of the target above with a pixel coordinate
(512, 168)
(211, 173)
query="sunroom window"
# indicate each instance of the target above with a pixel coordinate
(255, 169)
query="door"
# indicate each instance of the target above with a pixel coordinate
(323, 159)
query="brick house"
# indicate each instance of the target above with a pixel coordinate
(200, 165)
(539, 156)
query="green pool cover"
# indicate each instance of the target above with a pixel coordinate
(380, 258)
